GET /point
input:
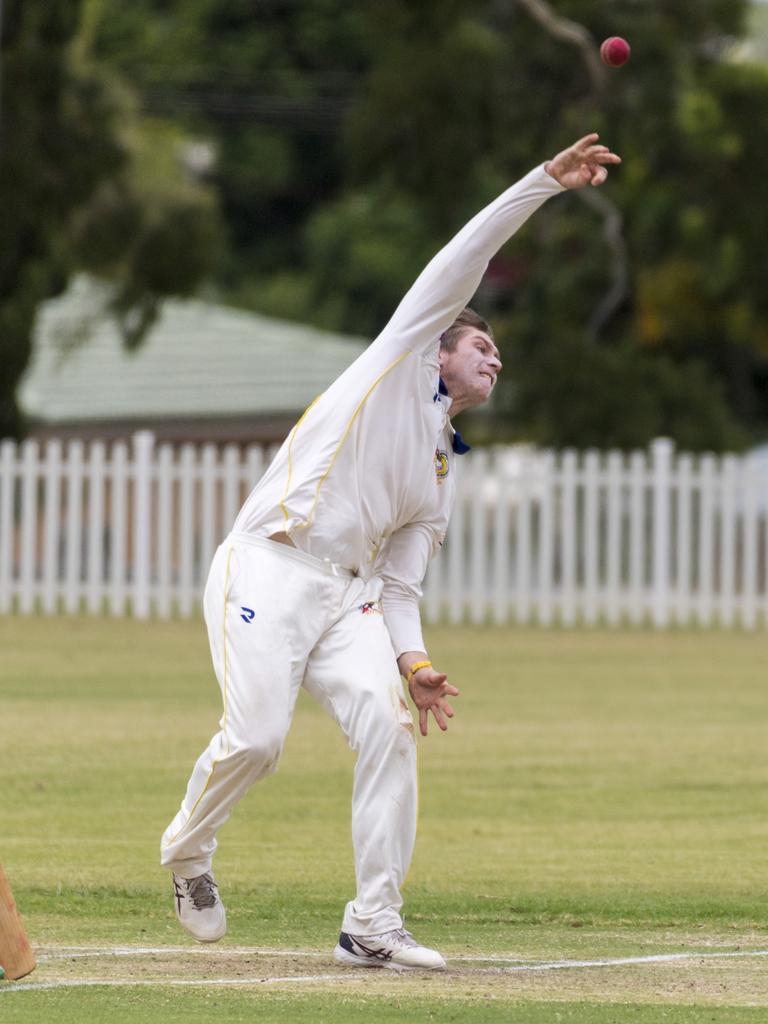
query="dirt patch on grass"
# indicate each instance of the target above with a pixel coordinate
(701, 981)
(174, 965)
(717, 977)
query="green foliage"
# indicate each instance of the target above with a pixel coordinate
(352, 140)
(56, 146)
(554, 390)
(369, 240)
(78, 192)
(269, 85)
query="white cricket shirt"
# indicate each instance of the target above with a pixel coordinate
(366, 478)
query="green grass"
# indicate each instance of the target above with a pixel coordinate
(173, 1007)
(598, 795)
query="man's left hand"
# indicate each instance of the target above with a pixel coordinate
(584, 163)
(429, 692)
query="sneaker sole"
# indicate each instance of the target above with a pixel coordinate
(201, 938)
(215, 938)
(347, 959)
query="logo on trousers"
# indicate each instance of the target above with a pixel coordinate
(369, 607)
(247, 614)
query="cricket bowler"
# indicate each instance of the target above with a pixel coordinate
(318, 584)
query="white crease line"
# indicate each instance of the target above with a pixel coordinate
(559, 965)
(85, 952)
(519, 967)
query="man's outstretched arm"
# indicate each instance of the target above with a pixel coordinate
(450, 279)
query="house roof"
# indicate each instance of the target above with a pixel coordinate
(198, 360)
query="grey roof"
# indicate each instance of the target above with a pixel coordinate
(199, 359)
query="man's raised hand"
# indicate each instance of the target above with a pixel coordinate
(584, 163)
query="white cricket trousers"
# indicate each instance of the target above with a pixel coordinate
(279, 619)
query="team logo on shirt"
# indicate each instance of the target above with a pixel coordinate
(441, 465)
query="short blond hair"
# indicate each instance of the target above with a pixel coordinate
(467, 319)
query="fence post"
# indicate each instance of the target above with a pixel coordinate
(613, 605)
(30, 456)
(568, 574)
(186, 528)
(590, 536)
(500, 541)
(51, 526)
(639, 474)
(661, 455)
(477, 563)
(165, 532)
(143, 448)
(683, 539)
(96, 485)
(7, 469)
(547, 535)
(728, 527)
(750, 586)
(73, 562)
(706, 540)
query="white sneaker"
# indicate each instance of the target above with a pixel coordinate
(397, 950)
(199, 907)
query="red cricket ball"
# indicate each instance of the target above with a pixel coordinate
(615, 51)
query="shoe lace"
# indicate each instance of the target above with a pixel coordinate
(202, 892)
(403, 936)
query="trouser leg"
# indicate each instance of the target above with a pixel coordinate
(259, 664)
(352, 672)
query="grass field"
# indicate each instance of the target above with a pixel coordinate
(599, 797)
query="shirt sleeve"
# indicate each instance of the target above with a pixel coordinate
(402, 569)
(451, 278)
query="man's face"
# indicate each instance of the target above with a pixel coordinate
(470, 370)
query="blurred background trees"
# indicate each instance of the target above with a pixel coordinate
(306, 159)
(83, 188)
(56, 146)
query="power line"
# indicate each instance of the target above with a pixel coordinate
(1, 76)
(318, 113)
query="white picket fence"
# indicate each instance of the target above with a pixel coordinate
(553, 538)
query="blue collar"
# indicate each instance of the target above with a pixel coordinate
(458, 443)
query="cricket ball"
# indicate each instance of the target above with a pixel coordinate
(615, 51)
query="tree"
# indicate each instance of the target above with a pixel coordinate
(56, 147)
(269, 84)
(682, 348)
(69, 193)
(353, 139)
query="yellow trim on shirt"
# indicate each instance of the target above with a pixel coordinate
(363, 400)
(290, 467)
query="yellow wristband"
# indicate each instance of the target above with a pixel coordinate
(415, 668)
